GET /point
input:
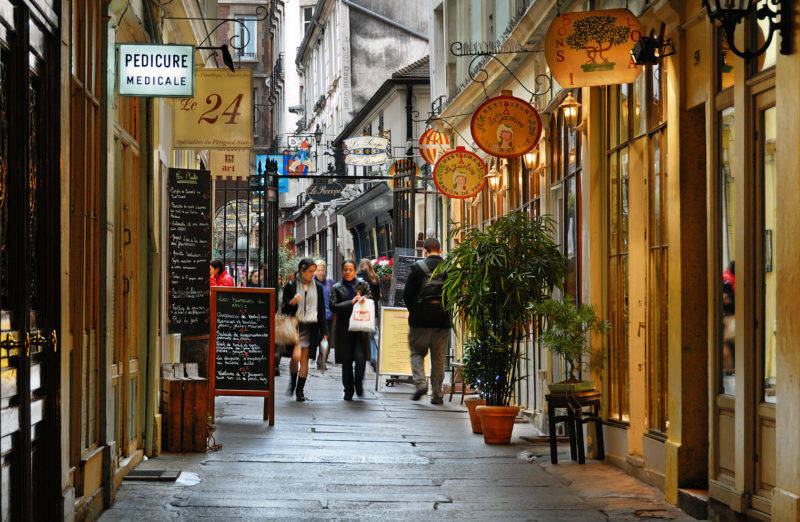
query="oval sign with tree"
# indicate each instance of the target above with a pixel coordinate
(593, 48)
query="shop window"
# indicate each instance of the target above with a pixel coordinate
(768, 336)
(727, 245)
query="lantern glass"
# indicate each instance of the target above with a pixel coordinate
(569, 109)
(494, 179)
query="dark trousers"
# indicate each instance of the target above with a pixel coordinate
(353, 378)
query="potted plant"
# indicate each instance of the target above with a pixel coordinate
(492, 279)
(566, 332)
(471, 376)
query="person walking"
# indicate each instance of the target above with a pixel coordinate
(219, 276)
(304, 298)
(367, 272)
(327, 285)
(352, 348)
(428, 321)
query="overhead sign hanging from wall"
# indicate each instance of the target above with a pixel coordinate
(156, 70)
(459, 174)
(432, 145)
(220, 115)
(505, 126)
(234, 163)
(593, 48)
(324, 192)
(366, 150)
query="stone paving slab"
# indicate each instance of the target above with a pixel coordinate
(383, 457)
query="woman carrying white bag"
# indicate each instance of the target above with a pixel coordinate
(350, 299)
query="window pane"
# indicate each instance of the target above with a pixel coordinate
(624, 94)
(623, 199)
(770, 207)
(655, 111)
(655, 190)
(639, 104)
(727, 242)
(623, 342)
(613, 116)
(613, 202)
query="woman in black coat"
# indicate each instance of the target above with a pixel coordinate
(351, 347)
(304, 299)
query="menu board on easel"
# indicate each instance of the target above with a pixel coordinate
(242, 344)
(189, 250)
(402, 269)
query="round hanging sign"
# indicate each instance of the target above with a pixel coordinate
(459, 174)
(505, 126)
(432, 144)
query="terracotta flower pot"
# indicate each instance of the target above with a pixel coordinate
(474, 419)
(497, 423)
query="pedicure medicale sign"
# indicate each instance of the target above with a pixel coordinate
(220, 115)
(155, 70)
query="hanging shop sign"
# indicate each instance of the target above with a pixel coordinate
(432, 145)
(505, 126)
(156, 70)
(229, 163)
(324, 192)
(460, 174)
(593, 48)
(220, 115)
(366, 151)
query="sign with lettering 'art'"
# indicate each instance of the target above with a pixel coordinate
(220, 115)
(155, 70)
(233, 163)
(459, 174)
(505, 126)
(593, 48)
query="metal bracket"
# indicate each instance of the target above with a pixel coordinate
(237, 41)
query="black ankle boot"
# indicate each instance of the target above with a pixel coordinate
(301, 384)
(292, 385)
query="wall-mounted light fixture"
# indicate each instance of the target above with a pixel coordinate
(494, 179)
(730, 12)
(650, 49)
(570, 108)
(318, 135)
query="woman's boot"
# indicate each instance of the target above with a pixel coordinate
(301, 384)
(292, 385)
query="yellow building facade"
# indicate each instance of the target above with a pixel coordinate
(674, 202)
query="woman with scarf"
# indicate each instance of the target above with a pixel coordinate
(351, 347)
(304, 299)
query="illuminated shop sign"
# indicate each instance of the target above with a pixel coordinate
(156, 70)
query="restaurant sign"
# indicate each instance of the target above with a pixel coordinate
(505, 126)
(220, 115)
(324, 192)
(156, 70)
(593, 48)
(459, 174)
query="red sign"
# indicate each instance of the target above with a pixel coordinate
(432, 144)
(459, 174)
(505, 126)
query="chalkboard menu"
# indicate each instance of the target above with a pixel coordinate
(189, 228)
(402, 269)
(241, 338)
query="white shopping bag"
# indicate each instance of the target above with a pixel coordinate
(363, 317)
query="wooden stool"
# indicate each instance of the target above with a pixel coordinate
(457, 376)
(573, 420)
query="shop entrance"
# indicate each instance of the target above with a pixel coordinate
(29, 264)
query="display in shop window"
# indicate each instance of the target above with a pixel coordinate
(593, 48)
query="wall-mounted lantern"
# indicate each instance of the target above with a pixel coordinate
(730, 12)
(570, 108)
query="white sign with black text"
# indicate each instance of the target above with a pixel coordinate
(156, 70)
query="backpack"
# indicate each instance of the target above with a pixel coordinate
(429, 300)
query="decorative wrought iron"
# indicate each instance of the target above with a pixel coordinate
(4, 297)
(237, 41)
(34, 172)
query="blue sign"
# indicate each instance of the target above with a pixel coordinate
(282, 161)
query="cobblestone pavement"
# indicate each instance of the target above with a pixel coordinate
(380, 457)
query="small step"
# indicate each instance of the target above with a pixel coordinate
(158, 475)
(694, 502)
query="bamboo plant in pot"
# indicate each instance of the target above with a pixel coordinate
(493, 277)
(471, 375)
(566, 332)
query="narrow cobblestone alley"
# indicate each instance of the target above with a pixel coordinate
(379, 457)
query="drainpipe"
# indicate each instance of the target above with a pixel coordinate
(409, 119)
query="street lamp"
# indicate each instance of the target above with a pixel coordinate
(730, 12)
(569, 108)
(318, 135)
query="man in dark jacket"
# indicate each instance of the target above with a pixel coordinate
(428, 321)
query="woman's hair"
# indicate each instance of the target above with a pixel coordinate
(320, 262)
(366, 265)
(304, 263)
(218, 264)
(349, 262)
